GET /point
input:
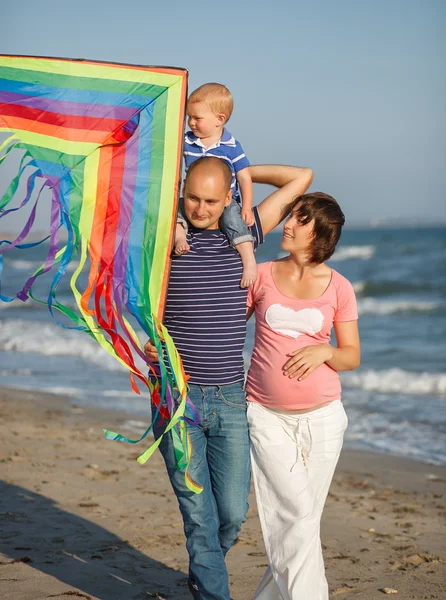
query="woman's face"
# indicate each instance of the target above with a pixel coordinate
(296, 237)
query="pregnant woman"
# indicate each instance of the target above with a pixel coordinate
(295, 414)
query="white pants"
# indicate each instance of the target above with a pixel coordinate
(293, 461)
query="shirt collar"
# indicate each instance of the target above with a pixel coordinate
(226, 139)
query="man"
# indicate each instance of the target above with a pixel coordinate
(206, 317)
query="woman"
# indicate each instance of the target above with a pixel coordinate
(295, 414)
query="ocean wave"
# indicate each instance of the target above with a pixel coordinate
(388, 287)
(30, 304)
(375, 431)
(23, 265)
(368, 306)
(19, 304)
(31, 265)
(21, 372)
(349, 252)
(359, 287)
(51, 340)
(396, 381)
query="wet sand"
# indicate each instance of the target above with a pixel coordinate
(79, 517)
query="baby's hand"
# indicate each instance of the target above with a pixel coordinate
(248, 216)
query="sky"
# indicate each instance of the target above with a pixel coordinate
(353, 89)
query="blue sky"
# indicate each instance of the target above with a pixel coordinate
(353, 89)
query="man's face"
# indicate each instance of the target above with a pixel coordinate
(205, 198)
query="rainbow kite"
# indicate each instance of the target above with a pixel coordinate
(107, 140)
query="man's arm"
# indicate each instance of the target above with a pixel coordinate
(291, 181)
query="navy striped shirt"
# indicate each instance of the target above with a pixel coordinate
(206, 309)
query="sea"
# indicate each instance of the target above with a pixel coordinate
(395, 401)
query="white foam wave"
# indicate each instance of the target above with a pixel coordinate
(21, 372)
(29, 265)
(17, 304)
(349, 252)
(22, 265)
(51, 340)
(375, 431)
(118, 393)
(359, 287)
(30, 304)
(66, 391)
(137, 426)
(367, 306)
(396, 381)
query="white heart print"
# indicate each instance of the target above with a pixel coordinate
(294, 323)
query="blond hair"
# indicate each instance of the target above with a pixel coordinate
(216, 96)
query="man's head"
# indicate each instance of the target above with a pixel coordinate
(207, 192)
(209, 107)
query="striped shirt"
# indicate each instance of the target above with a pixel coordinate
(226, 148)
(206, 309)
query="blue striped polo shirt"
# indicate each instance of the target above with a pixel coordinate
(205, 309)
(226, 148)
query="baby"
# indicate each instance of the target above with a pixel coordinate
(209, 108)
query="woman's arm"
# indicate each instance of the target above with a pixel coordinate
(291, 181)
(344, 357)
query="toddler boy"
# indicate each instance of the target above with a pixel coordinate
(209, 108)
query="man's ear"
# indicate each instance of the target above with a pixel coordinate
(228, 199)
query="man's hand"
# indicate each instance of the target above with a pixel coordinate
(304, 361)
(150, 351)
(248, 216)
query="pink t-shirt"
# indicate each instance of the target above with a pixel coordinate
(285, 324)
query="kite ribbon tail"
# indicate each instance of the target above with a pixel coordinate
(5, 143)
(113, 435)
(13, 186)
(187, 446)
(181, 439)
(183, 450)
(182, 442)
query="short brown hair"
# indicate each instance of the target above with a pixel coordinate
(328, 221)
(216, 96)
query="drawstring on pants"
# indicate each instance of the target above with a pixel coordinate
(298, 441)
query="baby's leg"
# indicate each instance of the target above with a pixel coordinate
(181, 246)
(246, 251)
(240, 236)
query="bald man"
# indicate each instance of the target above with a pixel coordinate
(206, 317)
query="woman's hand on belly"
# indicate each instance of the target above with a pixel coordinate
(305, 360)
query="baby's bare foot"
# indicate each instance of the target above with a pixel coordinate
(181, 245)
(249, 275)
(181, 248)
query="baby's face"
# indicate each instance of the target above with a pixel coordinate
(202, 121)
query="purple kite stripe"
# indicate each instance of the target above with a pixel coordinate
(54, 241)
(123, 232)
(126, 209)
(80, 109)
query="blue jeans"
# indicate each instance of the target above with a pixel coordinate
(233, 226)
(220, 463)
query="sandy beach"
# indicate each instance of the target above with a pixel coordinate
(81, 518)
